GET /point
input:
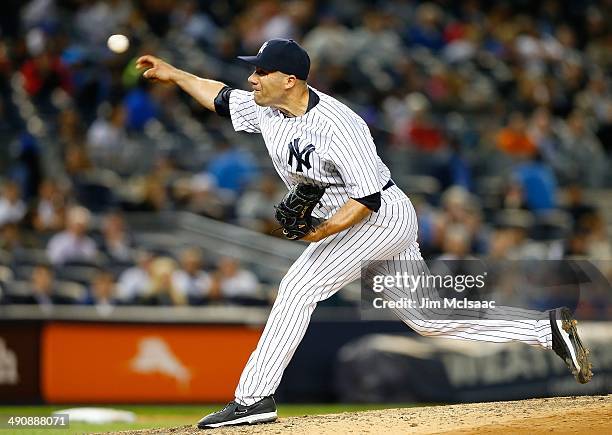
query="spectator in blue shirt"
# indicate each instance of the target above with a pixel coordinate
(140, 108)
(232, 168)
(539, 184)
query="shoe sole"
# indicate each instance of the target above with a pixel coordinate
(266, 417)
(585, 373)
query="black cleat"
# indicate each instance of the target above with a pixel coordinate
(234, 413)
(566, 343)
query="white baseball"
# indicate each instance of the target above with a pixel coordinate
(118, 43)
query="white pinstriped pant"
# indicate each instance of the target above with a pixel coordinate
(327, 266)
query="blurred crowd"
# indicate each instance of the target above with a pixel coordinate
(100, 265)
(496, 118)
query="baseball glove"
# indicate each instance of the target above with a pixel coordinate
(295, 209)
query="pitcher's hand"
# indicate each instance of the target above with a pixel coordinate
(156, 69)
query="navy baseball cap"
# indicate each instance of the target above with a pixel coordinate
(284, 55)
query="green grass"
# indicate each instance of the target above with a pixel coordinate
(156, 416)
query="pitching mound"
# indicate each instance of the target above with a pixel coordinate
(581, 415)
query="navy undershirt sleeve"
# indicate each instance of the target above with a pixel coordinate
(222, 102)
(371, 201)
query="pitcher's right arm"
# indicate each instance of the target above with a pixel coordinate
(203, 90)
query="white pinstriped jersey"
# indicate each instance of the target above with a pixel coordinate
(330, 145)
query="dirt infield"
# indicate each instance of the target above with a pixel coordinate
(560, 415)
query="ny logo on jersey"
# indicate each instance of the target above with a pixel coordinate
(301, 157)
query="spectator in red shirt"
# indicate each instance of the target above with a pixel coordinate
(44, 73)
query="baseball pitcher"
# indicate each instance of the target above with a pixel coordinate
(342, 200)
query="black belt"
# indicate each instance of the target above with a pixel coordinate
(389, 184)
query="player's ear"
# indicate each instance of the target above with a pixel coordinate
(290, 81)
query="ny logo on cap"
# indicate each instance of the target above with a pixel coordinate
(262, 48)
(301, 157)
